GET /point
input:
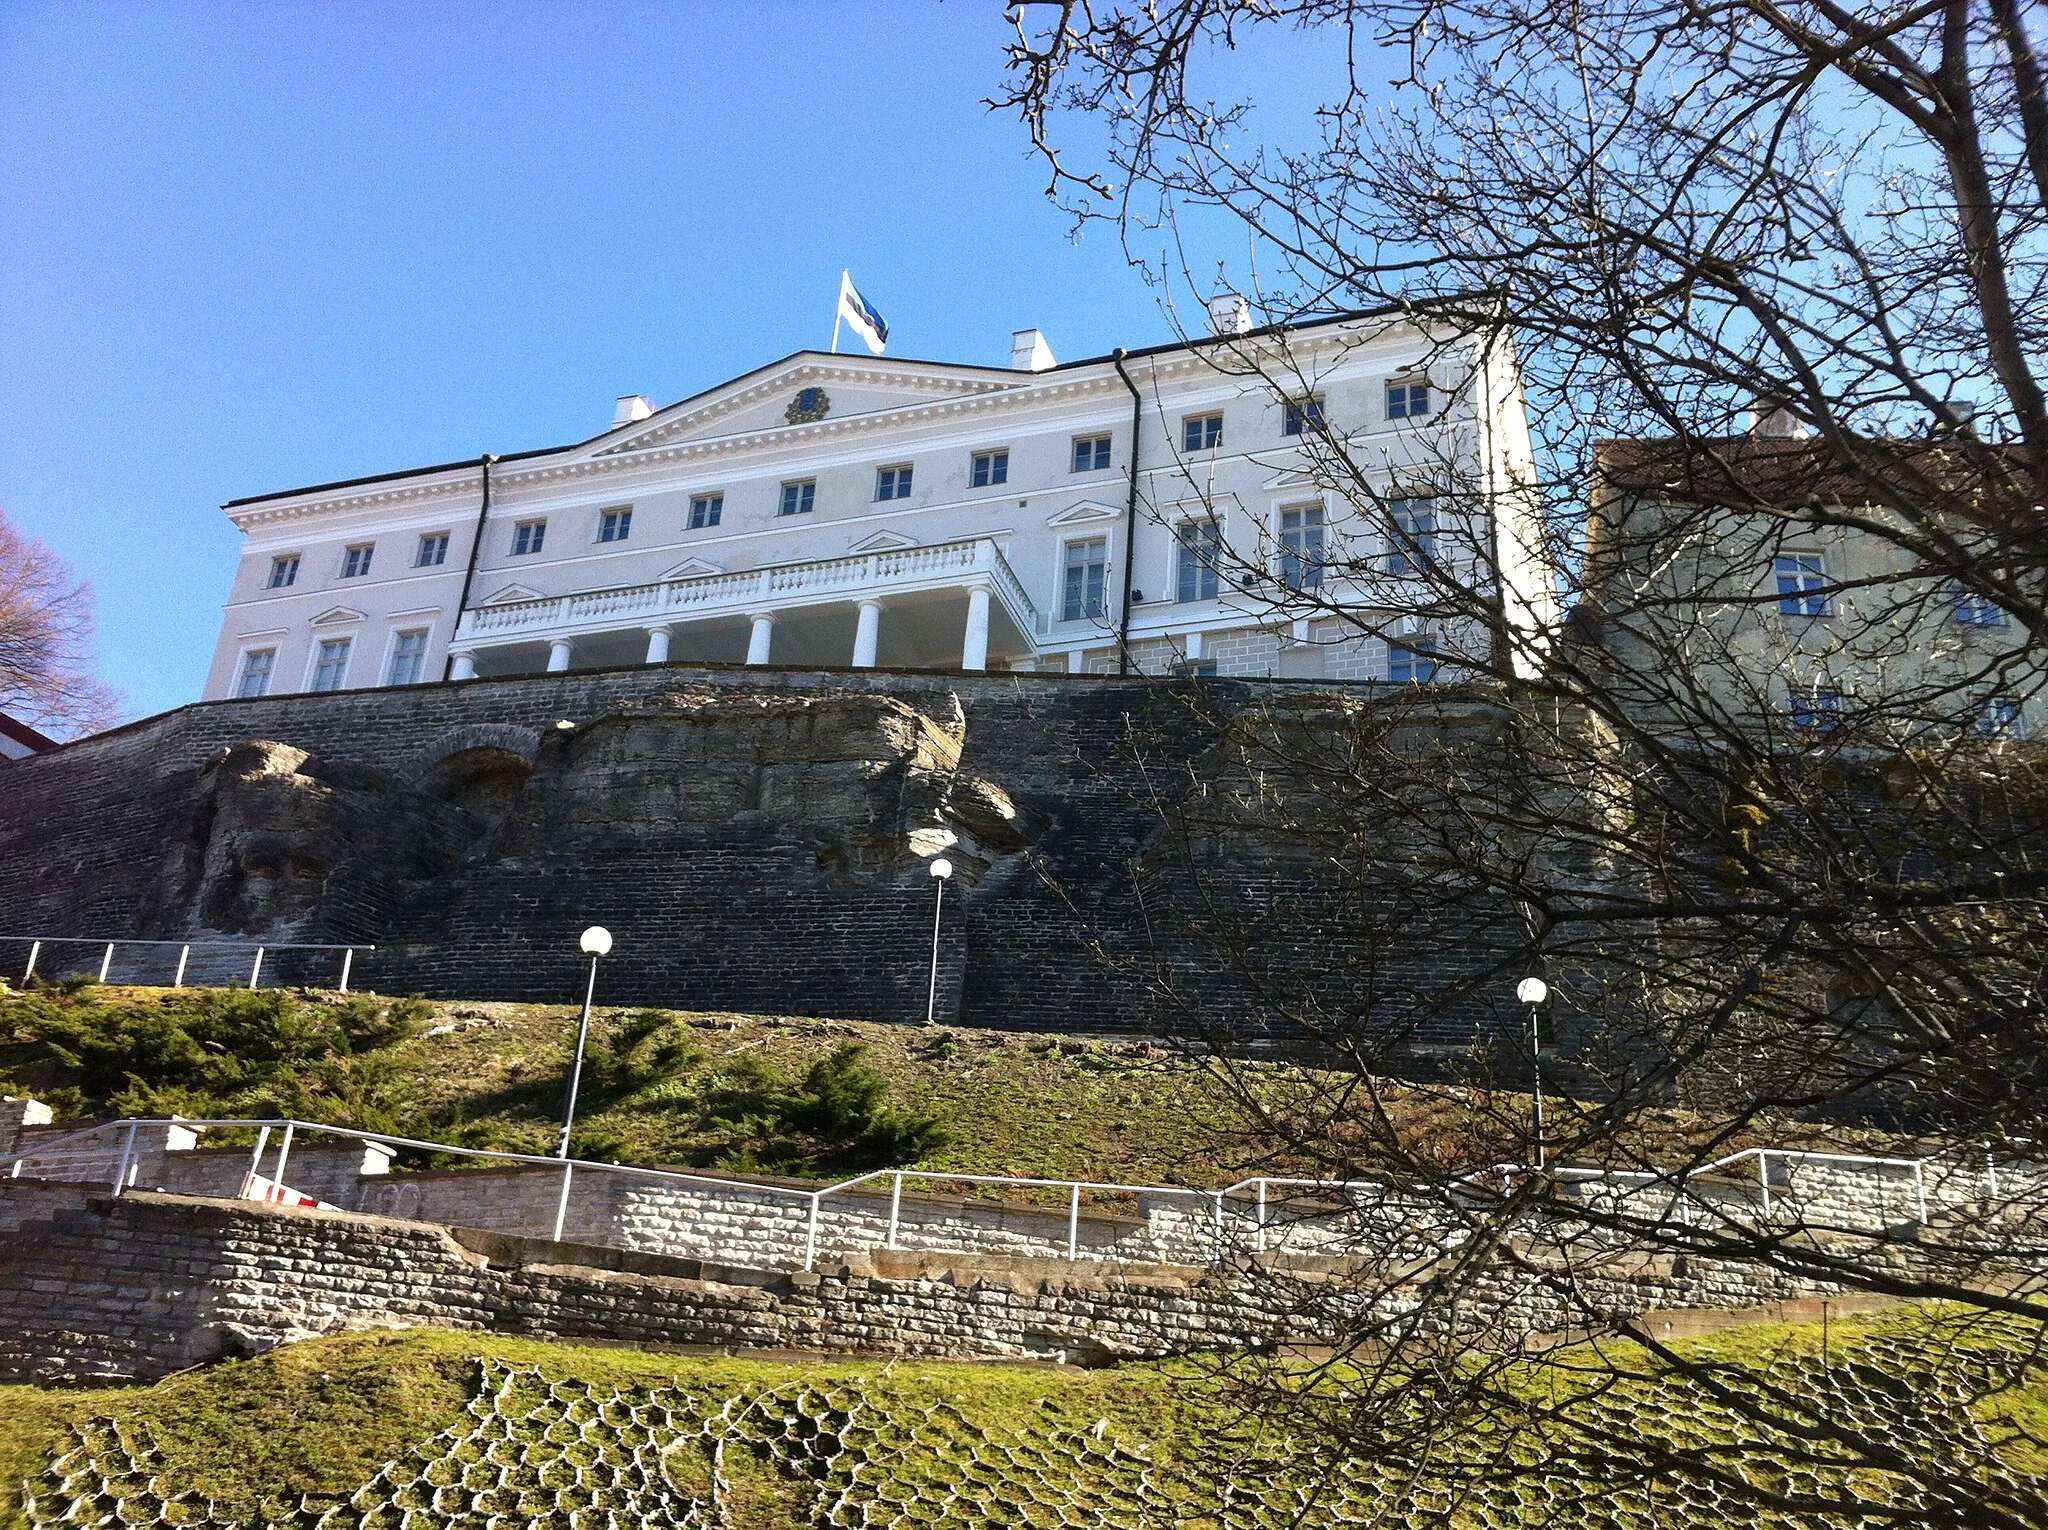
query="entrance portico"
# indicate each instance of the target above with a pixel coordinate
(955, 605)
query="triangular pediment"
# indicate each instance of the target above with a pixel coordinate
(692, 568)
(1083, 514)
(1290, 482)
(509, 593)
(884, 541)
(766, 399)
(336, 616)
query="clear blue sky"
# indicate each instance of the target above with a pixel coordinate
(247, 247)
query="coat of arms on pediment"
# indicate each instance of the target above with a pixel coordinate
(808, 405)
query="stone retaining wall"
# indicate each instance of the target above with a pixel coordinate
(98, 1289)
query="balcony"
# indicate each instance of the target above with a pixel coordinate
(946, 606)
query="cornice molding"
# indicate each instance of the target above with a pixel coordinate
(985, 397)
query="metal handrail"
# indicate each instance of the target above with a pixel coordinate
(185, 949)
(1256, 1187)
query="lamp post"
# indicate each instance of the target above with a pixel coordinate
(597, 942)
(942, 870)
(1532, 991)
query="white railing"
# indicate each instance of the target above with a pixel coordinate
(1249, 1202)
(905, 569)
(248, 950)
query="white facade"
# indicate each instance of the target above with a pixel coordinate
(839, 510)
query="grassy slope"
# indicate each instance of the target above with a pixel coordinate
(1037, 1106)
(492, 1075)
(321, 1417)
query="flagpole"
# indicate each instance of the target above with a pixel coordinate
(839, 309)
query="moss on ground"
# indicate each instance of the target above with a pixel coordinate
(1132, 1446)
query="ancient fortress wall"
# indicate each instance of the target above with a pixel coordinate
(755, 840)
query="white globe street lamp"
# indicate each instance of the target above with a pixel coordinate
(1532, 991)
(942, 871)
(596, 942)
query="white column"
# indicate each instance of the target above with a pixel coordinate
(762, 638)
(867, 634)
(974, 647)
(657, 645)
(558, 655)
(465, 665)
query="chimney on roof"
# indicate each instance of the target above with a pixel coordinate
(1770, 420)
(1954, 416)
(632, 407)
(1229, 314)
(1029, 352)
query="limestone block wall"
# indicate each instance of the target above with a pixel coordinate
(714, 820)
(96, 1289)
(144, 1285)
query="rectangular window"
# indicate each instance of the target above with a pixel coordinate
(433, 550)
(1196, 669)
(1301, 415)
(1091, 453)
(1407, 400)
(1201, 432)
(893, 483)
(1413, 662)
(257, 664)
(705, 509)
(284, 572)
(1802, 584)
(615, 525)
(355, 561)
(2000, 719)
(1974, 610)
(990, 469)
(409, 658)
(1301, 547)
(798, 498)
(1411, 548)
(1199, 542)
(1816, 708)
(1087, 571)
(331, 668)
(528, 537)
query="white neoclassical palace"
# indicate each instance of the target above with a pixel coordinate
(1162, 509)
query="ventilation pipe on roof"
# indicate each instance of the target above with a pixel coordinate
(1029, 352)
(632, 408)
(1229, 314)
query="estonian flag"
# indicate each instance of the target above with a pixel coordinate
(854, 309)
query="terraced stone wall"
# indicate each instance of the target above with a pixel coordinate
(93, 1289)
